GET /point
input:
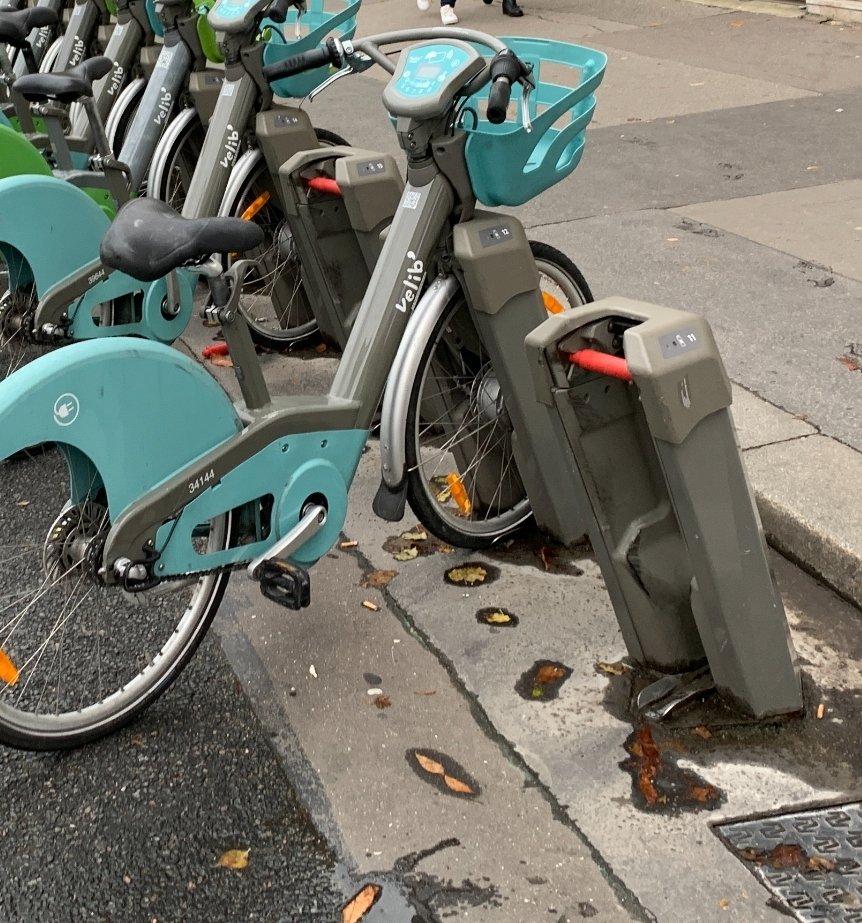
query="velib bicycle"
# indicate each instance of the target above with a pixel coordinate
(116, 569)
(59, 290)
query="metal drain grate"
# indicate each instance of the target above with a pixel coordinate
(810, 860)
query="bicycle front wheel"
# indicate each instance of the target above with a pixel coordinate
(79, 659)
(463, 481)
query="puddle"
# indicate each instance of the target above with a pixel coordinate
(542, 682)
(415, 543)
(659, 784)
(533, 549)
(441, 771)
(497, 617)
(471, 573)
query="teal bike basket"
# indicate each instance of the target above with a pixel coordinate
(317, 24)
(509, 166)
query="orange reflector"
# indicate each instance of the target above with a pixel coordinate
(552, 306)
(459, 495)
(250, 213)
(8, 670)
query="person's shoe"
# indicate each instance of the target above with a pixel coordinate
(423, 4)
(511, 8)
(447, 16)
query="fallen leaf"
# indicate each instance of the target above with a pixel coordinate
(23, 503)
(615, 669)
(224, 362)
(819, 864)
(361, 902)
(415, 535)
(469, 575)
(234, 859)
(545, 555)
(850, 363)
(736, 23)
(821, 710)
(425, 692)
(378, 578)
(498, 618)
(724, 903)
(457, 785)
(382, 701)
(370, 605)
(702, 731)
(430, 765)
(406, 554)
(548, 673)
(350, 544)
(702, 793)
(320, 348)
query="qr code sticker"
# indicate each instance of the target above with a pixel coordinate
(412, 199)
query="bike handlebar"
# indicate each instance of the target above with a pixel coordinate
(328, 53)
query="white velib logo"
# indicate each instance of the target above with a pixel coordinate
(231, 147)
(77, 51)
(163, 108)
(42, 38)
(66, 409)
(411, 284)
(116, 79)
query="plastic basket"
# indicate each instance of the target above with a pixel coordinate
(316, 24)
(509, 166)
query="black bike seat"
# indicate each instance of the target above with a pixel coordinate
(148, 239)
(67, 86)
(15, 27)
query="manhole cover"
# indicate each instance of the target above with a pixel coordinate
(810, 860)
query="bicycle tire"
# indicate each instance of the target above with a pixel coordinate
(90, 658)
(179, 152)
(283, 323)
(457, 427)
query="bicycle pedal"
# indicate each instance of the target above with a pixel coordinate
(286, 584)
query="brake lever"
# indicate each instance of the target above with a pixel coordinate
(329, 81)
(526, 121)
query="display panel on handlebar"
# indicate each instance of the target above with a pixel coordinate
(235, 15)
(428, 76)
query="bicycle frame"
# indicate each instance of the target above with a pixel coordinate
(297, 449)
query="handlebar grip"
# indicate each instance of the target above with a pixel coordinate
(498, 100)
(296, 64)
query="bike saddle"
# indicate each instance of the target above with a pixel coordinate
(67, 86)
(15, 26)
(148, 239)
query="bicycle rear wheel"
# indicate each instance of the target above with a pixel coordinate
(463, 482)
(79, 659)
(273, 300)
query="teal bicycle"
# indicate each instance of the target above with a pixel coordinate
(157, 486)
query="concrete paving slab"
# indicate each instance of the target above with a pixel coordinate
(759, 423)
(808, 493)
(784, 332)
(791, 51)
(576, 744)
(640, 88)
(500, 855)
(704, 157)
(821, 223)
